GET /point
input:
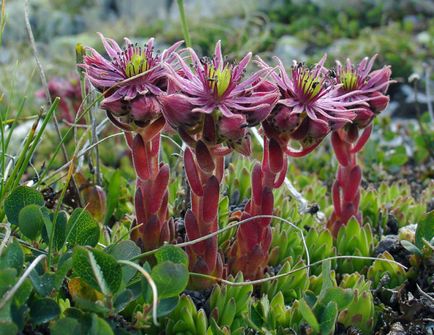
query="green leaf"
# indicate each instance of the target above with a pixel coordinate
(125, 250)
(44, 310)
(98, 269)
(100, 326)
(31, 221)
(165, 306)
(13, 257)
(113, 193)
(123, 299)
(425, 229)
(8, 328)
(20, 198)
(60, 232)
(43, 284)
(82, 228)
(171, 253)
(23, 293)
(328, 318)
(171, 278)
(326, 278)
(342, 297)
(411, 247)
(398, 158)
(65, 326)
(308, 315)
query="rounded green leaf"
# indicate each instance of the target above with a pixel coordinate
(171, 278)
(125, 250)
(65, 326)
(20, 198)
(165, 306)
(13, 257)
(98, 269)
(100, 326)
(44, 310)
(171, 253)
(82, 228)
(30, 221)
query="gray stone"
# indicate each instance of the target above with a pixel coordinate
(289, 48)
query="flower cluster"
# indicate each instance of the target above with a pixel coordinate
(212, 103)
(69, 91)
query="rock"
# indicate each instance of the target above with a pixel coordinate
(289, 48)
(339, 47)
(397, 329)
(391, 244)
(403, 102)
(200, 9)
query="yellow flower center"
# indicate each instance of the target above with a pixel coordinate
(137, 64)
(310, 84)
(349, 80)
(219, 79)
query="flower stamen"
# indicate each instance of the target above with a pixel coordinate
(219, 79)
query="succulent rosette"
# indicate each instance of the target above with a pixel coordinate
(211, 99)
(131, 79)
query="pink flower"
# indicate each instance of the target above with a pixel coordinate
(69, 91)
(212, 92)
(309, 107)
(359, 83)
(131, 79)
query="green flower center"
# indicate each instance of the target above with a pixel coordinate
(137, 64)
(310, 84)
(219, 79)
(349, 80)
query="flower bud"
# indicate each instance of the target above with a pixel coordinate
(378, 102)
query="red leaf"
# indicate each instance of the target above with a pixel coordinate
(303, 152)
(210, 200)
(140, 158)
(281, 177)
(340, 149)
(347, 212)
(162, 212)
(257, 184)
(138, 203)
(209, 131)
(275, 155)
(192, 173)
(186, 137)
(159, 187)
(204, 158)
(267, 205)
(193, 233)
(353, 183)
(153, 129)
(336, 198)
(129, 139)
(352, 133)
(362, 140)
(155, 146)
(191, 227)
